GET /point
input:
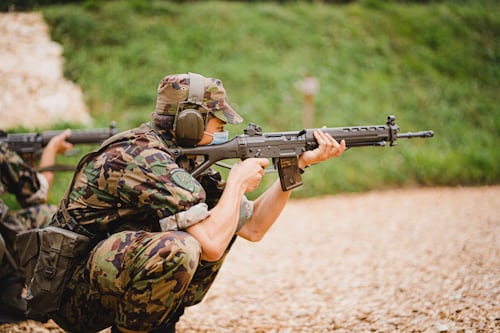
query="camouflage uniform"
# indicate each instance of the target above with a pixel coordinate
(138, 275)
(30, 189)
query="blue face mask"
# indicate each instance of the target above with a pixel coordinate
(219, 137)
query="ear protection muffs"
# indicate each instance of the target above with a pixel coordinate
(189, 124)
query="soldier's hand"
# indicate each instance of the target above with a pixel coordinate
(58, 143)
(248, 173)
(327, 148)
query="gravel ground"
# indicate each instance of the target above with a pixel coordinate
(417, 260)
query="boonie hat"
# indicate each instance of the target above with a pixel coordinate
(174, 89)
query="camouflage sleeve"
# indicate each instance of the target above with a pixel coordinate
(161, 185)
(140, 175)
(129, 181)
(42, 194)
(18, 178)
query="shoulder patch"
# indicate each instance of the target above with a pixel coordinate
(182, 178)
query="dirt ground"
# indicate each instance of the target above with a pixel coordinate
(415, 260)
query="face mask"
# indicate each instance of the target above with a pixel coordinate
(219, 137)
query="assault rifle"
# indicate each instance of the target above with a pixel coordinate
(30, 145)
(284, 147)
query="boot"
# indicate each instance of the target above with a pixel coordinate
(12, 305)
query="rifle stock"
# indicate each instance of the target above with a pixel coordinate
(285, 147)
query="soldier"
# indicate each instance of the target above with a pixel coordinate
(159, 236)
(30, 189)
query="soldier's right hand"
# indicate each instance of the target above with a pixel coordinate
(248, 173)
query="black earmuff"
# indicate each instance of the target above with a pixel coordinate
(189, 124)
(189, 128)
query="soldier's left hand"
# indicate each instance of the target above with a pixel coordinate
(59, 144)
(327, 148)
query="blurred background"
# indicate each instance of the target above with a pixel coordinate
(287, 65)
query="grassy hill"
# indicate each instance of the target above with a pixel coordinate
(434, 66)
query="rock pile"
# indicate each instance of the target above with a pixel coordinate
(33, 91)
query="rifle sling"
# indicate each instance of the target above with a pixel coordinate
(56, 167)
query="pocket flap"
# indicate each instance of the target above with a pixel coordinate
(27, 245)
(66, 243)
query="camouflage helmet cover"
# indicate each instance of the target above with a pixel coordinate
(174, 90)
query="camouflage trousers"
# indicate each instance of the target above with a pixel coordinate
(136, 280)
(16, 221)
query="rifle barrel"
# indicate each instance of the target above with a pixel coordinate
(422, 134)
(91, 136)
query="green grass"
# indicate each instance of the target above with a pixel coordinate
(434, 66)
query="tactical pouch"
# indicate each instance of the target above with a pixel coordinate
(27, 249)
(59, 251)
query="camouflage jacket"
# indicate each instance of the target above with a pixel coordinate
(18, 178)
(131, 183)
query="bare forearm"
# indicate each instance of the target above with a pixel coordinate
(267, 209)
(215, 232)
(48, 158)
(269, 205)
(56, 145)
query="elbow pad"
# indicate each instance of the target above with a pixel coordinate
(185, 219)
(246, 211)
